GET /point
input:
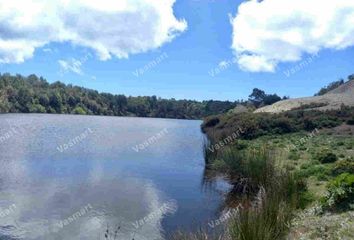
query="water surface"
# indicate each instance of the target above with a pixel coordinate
(69, 177)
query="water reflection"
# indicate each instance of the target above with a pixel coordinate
(101, 182)
(49, 210)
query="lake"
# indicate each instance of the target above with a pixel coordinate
(74, 177)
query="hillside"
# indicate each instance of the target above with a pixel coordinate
(332, 100)
(19, 94)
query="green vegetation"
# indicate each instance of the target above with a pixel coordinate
(343, 166)
(272, 192)
(259, 98)
(269, 193)
(350, 121)
(340, 193)
(330, 87)
(279, 194)
(305, 147)
(255, 125)
(326, 156)
(19, 94)
(333, 86)
(285, 168)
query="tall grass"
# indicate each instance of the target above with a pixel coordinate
(270, 215)
(252, 168)
(209, 155)
(273, 191)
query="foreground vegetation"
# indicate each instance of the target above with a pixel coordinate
(268, 194)
(295, 168)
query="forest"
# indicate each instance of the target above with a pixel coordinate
(32, 94)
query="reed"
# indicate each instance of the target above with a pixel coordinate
(273, 191)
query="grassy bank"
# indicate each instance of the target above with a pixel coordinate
(293, 173)
(268, 194)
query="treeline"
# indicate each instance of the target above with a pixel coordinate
(32, 94)
(333, 85)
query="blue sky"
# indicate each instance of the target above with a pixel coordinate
(198, 63)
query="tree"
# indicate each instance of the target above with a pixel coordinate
(330, 87)
(33, 94)
(55, 101)
(79, 110)
(270, 99)
(259, 97)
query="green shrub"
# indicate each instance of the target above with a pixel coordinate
(326, 156)
(350, 121)
(79, 110)
(211, 122)
(290, 167)
(321, 172)
(324, 121)
(302, 148)
(241, 145)
(37, 108)
(343, 166)
(340, 193)
(305, 198)
(294, 155)
(218, 164)
(349, 145)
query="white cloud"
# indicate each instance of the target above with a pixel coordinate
(72, 65)
(268, 32)
(109, 27)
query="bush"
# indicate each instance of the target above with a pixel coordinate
(79, 110)
(340, 193)
(350, 121)
(321, 172)
(343, 166)
(241, 145)
(294, 155)
(211, 122)
(326, 156)
(324, 121)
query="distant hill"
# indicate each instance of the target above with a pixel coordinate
(32, 94)
(342, 95)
